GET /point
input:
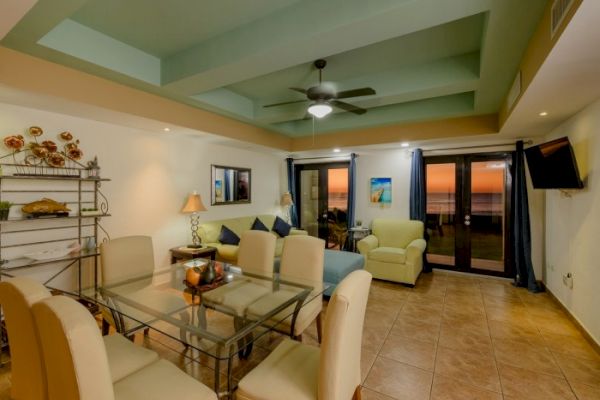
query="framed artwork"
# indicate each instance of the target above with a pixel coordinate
(381, 190)
(230, 185)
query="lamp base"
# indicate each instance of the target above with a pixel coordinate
(194, 246)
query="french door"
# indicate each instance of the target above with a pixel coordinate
(468, 209)
(322, 197)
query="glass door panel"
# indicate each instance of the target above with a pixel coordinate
(323, 201)
(309, 201)
(337, 207)
(467, 205)
(441, 213)
(487, 224)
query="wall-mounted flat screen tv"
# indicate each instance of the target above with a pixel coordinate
(553, 165)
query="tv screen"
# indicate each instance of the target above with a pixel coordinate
(552, 165)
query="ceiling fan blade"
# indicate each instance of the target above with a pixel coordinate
(299, 90)
(367, 91)
(348, 107)
(284, 103)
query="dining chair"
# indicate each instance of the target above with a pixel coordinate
(28, 376)
(132, 257)
(303, 372)
(256, 255)
(301, 260)
(76, 364)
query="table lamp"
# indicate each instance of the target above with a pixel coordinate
(193, 206)
(287, 202)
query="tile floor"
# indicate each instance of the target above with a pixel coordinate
(451, 337)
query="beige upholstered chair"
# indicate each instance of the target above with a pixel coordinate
(77, 367)
(301, 372)
(28, 378)
(256, 255)
(257, 252)
(302, 259)
(127, 258)
(17, 295)
(394, 252)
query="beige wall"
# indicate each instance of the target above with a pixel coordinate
(152, 173)
(383, 164)
(573, 225)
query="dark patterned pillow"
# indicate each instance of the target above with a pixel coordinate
(227, 236)
(281, 227)
(259, 226)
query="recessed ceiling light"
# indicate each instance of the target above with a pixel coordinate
(404, 144)
(336, 150)
(167, 129)
(543, 114)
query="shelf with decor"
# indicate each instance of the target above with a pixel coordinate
(51, 206)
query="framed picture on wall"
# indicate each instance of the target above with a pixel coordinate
(381, 190)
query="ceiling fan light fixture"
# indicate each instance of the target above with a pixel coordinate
(319, 110)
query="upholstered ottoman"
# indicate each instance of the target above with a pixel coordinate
(337, 264)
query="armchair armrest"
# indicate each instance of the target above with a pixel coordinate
(295, 231)
(414, 251)
(367, 244)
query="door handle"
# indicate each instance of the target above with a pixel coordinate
(467, 220)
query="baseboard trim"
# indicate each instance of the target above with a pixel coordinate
(575, 321)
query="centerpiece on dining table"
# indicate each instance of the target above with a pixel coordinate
(203, 275)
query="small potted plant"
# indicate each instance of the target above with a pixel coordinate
(4, 209)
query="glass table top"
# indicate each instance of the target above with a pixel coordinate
(215, 319)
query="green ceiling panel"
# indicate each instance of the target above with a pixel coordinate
(426, 59)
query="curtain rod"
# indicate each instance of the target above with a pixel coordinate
(322, 158)
(481, 146)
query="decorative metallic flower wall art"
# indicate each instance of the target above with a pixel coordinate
(46, 153)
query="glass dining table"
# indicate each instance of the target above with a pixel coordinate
(220, 320)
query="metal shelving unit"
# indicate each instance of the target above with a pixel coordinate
(86, 194)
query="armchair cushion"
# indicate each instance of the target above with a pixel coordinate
(367, 244)
(388, 254)
(397, 233)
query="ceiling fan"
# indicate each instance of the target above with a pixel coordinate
(324, 97)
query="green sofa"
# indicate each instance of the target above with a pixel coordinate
(209, 234)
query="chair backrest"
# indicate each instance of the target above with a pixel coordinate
(17, 295)
(74, 353)
(125, 258)
(257, 252)
(302, 257)
(397, 232)
(339, 369)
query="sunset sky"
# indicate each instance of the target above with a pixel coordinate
(486, 177)
(338, 180)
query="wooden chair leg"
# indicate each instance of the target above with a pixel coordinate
(146, 331)
(105, 327)
(357, 395)
(320, 326)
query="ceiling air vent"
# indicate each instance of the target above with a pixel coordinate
(559, 11)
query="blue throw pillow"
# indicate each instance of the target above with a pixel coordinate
(259, 226)
(227, 236)
(281, 227)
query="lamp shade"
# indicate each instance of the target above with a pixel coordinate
(286, 199)
(193, 204)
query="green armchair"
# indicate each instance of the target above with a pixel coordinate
(394, 252)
